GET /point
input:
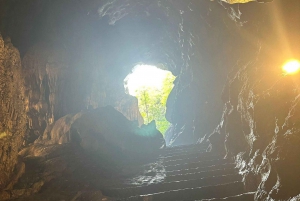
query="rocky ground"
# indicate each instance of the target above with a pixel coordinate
(62, 172)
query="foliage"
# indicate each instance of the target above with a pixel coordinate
(152, 103)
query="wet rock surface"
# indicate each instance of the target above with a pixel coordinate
(65, 172)
(185, 173)
(59, 172)
(260, 127)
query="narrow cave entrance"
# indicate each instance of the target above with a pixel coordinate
(151, 86)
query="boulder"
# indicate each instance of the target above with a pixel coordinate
(103, 130)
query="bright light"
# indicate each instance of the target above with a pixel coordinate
(291, 67)
(145, 76)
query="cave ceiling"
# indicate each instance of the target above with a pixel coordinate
(175, 33)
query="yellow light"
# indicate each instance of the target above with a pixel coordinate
(291, 67)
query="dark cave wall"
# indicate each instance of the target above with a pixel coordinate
(46, 82)
(260, 127)
(260, 120)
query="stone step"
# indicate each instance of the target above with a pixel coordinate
(187, 145)
(207, 192)
(181, 153)
(191, 173)
(199, 175)
(205, 163)
(191, 159)
(170, 186)
(184, 148)
(243, 197)
(201, 169)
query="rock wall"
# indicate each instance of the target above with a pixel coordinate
(13, 108)
(259, 125)
(261, 114)
(45, 73)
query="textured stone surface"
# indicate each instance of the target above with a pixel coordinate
(64, 172)
(263, 119)
(261, 105)
(12, 113)
(44, 69)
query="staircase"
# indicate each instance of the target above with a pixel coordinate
(185, 173)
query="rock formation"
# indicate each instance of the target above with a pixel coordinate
(103, 129)
(260, 127)
(45, 72)
(13, 114)
(128, 107)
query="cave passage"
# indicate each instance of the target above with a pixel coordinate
(151, 86)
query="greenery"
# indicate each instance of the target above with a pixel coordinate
(152, 103)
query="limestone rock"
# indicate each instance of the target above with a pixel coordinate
(68, 173)
(58, 132)
(102, 130)
(12, 107)
(260, 126)
(44, 68)
(128, 106)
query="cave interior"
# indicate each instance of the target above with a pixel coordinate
(69, 130)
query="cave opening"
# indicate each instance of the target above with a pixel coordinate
(151, 85)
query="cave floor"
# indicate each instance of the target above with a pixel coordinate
(184, 173)
(175, 173)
